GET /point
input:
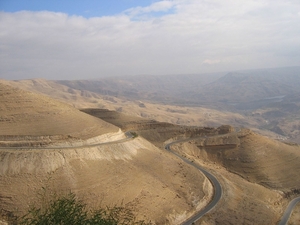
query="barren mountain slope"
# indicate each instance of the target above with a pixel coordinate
(258, 175)
(28, 114)
(244, 200)
(154, 183)
(265, 161)
(256, 158)
(77, 98)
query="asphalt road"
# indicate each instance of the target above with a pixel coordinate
(128, 135)
(288, 211)
(217, 186)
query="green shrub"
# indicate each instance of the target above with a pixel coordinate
(134, 134)
(68, 210)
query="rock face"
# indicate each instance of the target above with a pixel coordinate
(224, 129)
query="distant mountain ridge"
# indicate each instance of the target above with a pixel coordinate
(164, 88)
(233, 87)
(254, 85)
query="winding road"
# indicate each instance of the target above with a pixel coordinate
(288, 211)
(128, 135)
(217, 186)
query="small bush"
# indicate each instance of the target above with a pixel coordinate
(68, 210)
(134, 135)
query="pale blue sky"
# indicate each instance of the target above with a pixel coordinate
(89, 39)
(85, 8)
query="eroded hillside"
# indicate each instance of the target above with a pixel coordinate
(258, 174)
(153, 183)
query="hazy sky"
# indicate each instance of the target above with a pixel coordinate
(94, 38)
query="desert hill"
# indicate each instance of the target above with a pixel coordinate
(256, 158)
(25, 114)
(258, 174)
(76, 98)
(132, 172)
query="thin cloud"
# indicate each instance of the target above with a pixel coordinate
(192, 37)
(161, 6)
